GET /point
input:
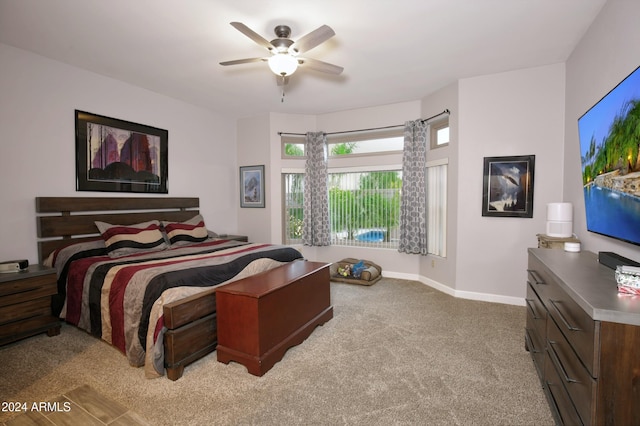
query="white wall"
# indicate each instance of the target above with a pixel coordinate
(605, 56)
(254, 150)
(37, 103)
(507, 114)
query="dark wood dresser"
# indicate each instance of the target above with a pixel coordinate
(584, 338)
(25, 303)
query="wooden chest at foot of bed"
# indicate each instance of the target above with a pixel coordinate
(262, 316)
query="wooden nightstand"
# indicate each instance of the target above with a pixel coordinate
(25, 303)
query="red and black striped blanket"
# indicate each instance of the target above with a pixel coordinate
(120, 299)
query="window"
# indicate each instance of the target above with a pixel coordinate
(437, 208)
(378, 142)
(374, 146)
(364, 207)
(364, 196)
(292, 146)
(293, 207)
(439, 133)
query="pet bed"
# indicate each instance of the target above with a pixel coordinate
(371, 274)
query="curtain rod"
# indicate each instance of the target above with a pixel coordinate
(446, 111)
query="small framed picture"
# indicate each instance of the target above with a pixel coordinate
(252, 186)
(508, 186)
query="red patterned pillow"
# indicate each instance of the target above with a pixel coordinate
(122, 240)
(183, 233)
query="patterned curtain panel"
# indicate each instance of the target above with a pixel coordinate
(315, 224)
(413, 217)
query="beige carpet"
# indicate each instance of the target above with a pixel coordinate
(397, 352)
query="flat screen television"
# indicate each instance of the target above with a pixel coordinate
(609, 135)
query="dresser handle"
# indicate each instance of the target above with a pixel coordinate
(556, 361)
(533, 311)
(529, 343)
(554, 406)
(535, 276)
(562, 317)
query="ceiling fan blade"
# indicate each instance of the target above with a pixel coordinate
(243, 61)
(311, 40)
(252, 35)
(317, 65)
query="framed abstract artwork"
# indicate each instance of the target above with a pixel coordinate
(252, 186)
(508, 186)
(119, 156)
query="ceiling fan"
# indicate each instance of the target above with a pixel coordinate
(284, 59)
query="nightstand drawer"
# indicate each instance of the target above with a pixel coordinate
(28, 309)
(21, 284)
(34, 288)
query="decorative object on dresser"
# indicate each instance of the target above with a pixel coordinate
(560, 220)
(613, 260)
(262, 316)
(545, 241)
(584, 339)
(25, 304)
(174, 282)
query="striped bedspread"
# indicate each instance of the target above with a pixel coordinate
(120, 299)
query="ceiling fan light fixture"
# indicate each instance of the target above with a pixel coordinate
(283, 64)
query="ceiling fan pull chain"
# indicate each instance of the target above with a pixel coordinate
(283, 86)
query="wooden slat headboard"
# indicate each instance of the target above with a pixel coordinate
(62, 220)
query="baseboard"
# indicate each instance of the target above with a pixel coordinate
(470, 295)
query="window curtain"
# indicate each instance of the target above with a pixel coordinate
(315, 224)
(413, 216)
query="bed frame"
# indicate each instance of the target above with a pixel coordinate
(191, 322)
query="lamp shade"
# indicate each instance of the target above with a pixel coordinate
(283, 64)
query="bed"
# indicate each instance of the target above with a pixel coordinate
(141, 273)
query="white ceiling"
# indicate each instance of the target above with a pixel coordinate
(391, 51)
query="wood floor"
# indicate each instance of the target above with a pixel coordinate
(81, 406)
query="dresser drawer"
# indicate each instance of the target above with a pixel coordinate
(558, 396)
(535, 332)
(536, 279)
(579, 384)
(579, 329)
(536, 312)
(535, 346)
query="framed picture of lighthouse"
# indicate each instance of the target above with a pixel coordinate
(119, 156)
